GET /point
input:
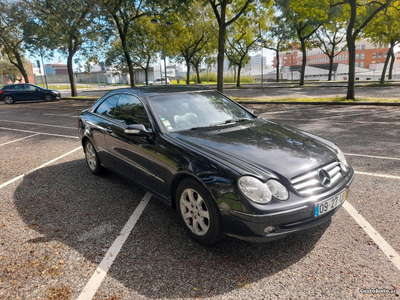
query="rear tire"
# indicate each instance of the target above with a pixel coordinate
(8, 100)
(198, 212)
(92, 158)
(48, 97)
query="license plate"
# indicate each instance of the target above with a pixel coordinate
(329, 204)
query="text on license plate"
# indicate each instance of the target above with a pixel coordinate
(329, 204)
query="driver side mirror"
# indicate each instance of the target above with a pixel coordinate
(37, 90)
(137, 129)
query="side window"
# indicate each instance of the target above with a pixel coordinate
(107, 108)
(130, 111)
(17, 87)
(29, 87)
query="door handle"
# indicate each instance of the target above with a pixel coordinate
(109, 130)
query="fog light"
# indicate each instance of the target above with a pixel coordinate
(269, 229)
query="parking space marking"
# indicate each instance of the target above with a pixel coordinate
(39, 124)
(98, 276)
(377, 175)
(27, 137)
(388, 250)
(37, 168)
(44, 133)
(372, 156)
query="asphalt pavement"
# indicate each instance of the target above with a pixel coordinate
(62, 228)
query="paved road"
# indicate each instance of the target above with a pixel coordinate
(58, 222)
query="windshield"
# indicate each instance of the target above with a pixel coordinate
(185, 111)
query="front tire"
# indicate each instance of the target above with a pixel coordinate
(8, 100)
(92, 158)
(48, 98)
(199, 214)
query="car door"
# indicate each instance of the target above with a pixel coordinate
(99, 126)
(18, 92)
(137, 155)
(33, 92)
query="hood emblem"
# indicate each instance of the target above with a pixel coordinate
(324, 177)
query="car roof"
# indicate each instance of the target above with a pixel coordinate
(162, 90)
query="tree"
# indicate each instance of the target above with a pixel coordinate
(304, 18)
(67, 26)
(330, 35)
(384, 29)
(359, 13)
(223, 9)
(192, 31)
(124, 14)
(277, 39)
(13, 15)
(242, 37)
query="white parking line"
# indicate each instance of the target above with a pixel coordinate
(388, 250)
(378, 175)
(26, 137)
(39, 124)
(40, 167)
(44, 133)
(98, 276)
(372, 156)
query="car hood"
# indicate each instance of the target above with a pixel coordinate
(260, 145)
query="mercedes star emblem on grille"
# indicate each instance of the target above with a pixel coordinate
(324, 177)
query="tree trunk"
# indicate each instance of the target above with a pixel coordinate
(351, 45)
(383, 76)
(187, 72)
(221, 49)
(331, 57)
(74, 92)
(238, 75)
(146, 71)
(352, 71)
(304, 61)
(21, 67)
(130, 68)
(391, 64)
(198, 74)
(277, 65)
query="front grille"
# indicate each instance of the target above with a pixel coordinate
(309, 182)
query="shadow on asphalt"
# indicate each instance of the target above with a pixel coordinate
(66, 203)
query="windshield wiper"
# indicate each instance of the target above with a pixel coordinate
(236, 120)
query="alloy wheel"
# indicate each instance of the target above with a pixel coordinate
(91, 156)
(195, 212)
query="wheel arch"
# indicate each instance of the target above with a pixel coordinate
(178, 178)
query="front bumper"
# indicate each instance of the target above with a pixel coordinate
(250, 227)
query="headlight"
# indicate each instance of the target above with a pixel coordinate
(278, 190)
(343, 162)
(260, 192)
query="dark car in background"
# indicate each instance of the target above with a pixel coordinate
(224, 170)
(26, 91)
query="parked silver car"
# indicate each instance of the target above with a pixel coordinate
(157, 81)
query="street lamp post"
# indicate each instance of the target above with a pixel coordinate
(169, 24)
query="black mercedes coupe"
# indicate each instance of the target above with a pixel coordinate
(225, 170)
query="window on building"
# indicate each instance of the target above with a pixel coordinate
(374, 55)
(357, 47)
(363, 47)
(362, 55)
(357, 56)
(380, 55)
(362, 64)
(385, 55)
(356, 63)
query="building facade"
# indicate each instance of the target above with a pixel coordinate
(56, 69)
(366, 54)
